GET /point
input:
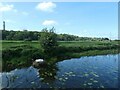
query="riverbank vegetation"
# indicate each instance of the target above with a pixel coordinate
(20, 53)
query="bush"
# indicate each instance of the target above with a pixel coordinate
(48, 42)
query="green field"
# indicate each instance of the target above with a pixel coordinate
(8, 44)
(83, 44)
(19, 53)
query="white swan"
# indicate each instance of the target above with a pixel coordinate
(39, 60)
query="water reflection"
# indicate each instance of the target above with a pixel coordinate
(6, 67)
(86, 72)
(48, 73)
(31, 77)
(20, 78)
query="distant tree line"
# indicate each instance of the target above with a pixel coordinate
(35, 35)
(20, 35)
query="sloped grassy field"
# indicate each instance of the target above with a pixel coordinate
(83, 44)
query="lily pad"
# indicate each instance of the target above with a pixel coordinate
(96, 75)
(55, 77)
(63, 80)
(102, 86)
(84, 84)
(50, 74)
(86, 74)
(41, 78)
(60, 79)
(91, 79)
(66, 78)
(47, 83)
(89, 83)
(95, 81)
(32, 82)
(69, 73)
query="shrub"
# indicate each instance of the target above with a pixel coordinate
(48, 42)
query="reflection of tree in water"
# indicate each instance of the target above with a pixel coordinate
(9, 66)
(48, 73)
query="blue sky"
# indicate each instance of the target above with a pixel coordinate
(88, 19)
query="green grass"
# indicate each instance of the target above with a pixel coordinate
(94, 53)
(87, 43)
(20, 53)
(8, 44)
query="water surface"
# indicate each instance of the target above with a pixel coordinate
(86, 72)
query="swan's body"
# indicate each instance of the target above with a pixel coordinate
(39, 60)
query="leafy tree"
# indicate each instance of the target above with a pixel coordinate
(35, 35)
(48, 41)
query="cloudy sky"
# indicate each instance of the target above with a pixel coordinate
(89, 19)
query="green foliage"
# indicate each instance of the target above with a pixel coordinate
(34, 35)
(20, 56)
(19, 53)
(48, 41)
(20, 35)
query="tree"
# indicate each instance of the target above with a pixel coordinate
(48, 41)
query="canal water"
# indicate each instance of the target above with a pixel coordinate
(99, 71)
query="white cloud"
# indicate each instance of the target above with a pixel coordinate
(46, 6)
(49, 22)
(25, 13)
(7, 7)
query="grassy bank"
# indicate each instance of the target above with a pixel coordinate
(20, 54)
(94, 53)
(83, 44)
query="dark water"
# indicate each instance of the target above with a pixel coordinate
(85, 72)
